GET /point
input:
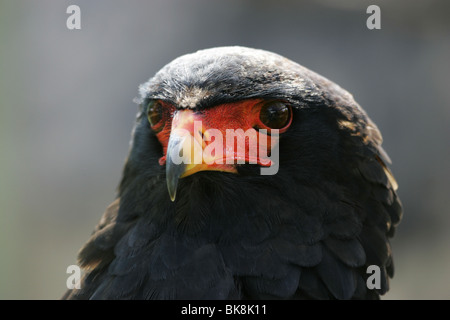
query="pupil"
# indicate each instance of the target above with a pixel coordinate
(154, 113)
(275, 115)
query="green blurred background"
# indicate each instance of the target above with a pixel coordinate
(66, 113)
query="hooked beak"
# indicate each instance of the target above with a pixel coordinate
(174, 170)
(219, 145)
(185, 151)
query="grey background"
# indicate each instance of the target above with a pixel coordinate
(66, 113)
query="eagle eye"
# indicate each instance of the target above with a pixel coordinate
(275, 115)
(154, 114)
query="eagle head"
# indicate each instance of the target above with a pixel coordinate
(249, 176)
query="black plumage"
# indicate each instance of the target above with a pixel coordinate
(310, 231)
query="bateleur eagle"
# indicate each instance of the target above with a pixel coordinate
(220, 228)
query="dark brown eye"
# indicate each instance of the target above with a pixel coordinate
(275, 115)
(154, 113)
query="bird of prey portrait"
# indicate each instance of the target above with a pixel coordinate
(220, 228)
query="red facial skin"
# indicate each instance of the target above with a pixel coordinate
(243, 115)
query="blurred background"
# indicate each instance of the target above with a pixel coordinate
(66, 113)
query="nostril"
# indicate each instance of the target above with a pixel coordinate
(201, 134)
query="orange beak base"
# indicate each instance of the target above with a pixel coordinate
(214, 139)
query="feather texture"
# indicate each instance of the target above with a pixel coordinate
(308, 232)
